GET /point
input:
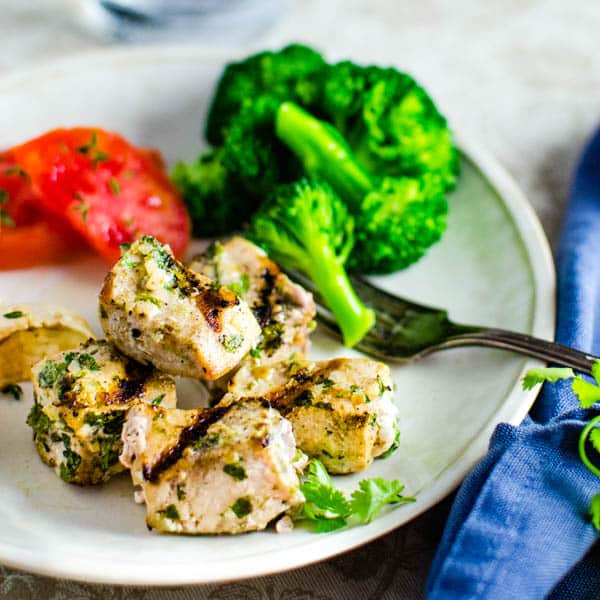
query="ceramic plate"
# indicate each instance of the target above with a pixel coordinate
(492, 267)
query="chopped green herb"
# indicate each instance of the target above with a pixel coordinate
(12, 389)
(255, 352)
(38, 420)
(324, 405)
(69, 468)
(242, 507)
(16, 170)
(6, 219)
(114, 186)
(355, 388)
(15, 314)
(304, 399)
(395, 445)
(144, 297)
(327, 383)
(207, 441)
(236, 470)
(124, 247)
(3, 196)
(170, 512)
(242, 286)
(51, 374)
(87, 361)
(158, 400)
(232, 343)
(382, 387)
(272, 337)
(181, 495)
(82, 206)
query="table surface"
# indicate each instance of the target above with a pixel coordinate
(521, 77)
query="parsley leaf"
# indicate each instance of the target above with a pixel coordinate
(15, 314)
(328, 508)
(551, 374)
(372, 495)
(588, 393)
(595, 511)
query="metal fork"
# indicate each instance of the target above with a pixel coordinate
(405, 331)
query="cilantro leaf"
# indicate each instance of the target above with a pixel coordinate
(587, 393)
(328, 508)
(594, 438)
(551, 374)
(594, 511)
(596, 371)
(372, 495)
(395, 445)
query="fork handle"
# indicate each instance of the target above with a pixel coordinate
(525, 344)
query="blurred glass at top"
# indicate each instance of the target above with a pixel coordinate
(182, 21)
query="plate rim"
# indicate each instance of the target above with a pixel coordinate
(513, 409)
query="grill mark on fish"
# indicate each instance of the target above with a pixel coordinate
(189, 434)
(263, 308)
(211, 304)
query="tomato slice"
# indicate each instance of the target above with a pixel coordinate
(110, 191)
(28, 235)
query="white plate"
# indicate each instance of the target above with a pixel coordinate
(492, 267)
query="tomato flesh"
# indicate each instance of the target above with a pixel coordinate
(108, 190)
(29, 236)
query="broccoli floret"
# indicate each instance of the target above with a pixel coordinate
(397, 219)
(391, 124)
(306, 227)
(292, 73)
(215, 197)
(253, 152)
(224, 186)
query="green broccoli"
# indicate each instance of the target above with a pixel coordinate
(225, 185)
(389, 121)
(293, 73)
(397, 219)
(306, 227)
(214, 195)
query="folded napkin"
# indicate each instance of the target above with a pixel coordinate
(519, 521)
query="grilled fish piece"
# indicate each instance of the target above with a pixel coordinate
(342, 410)
(29, 332)
(158, 312)
(284, 310)
(217, 470)
(81, 398)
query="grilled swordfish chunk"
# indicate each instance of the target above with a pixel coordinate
(217, 470)
(341, 410)
(284, 310)
(81, 399)
(158, 312)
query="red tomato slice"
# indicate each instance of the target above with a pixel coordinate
(28, 235)
(110, 191)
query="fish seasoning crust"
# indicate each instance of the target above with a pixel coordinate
(284, 310)
(81, 399)
(341, 410)
(211, 471)
(158, 312)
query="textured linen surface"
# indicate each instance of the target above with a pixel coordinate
(519, 521)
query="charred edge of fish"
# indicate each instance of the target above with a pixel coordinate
(189, 434)
(263, 309)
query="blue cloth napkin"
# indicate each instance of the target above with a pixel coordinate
(519, 522)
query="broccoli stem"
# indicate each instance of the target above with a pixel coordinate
(330, 277)
(323, 152)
